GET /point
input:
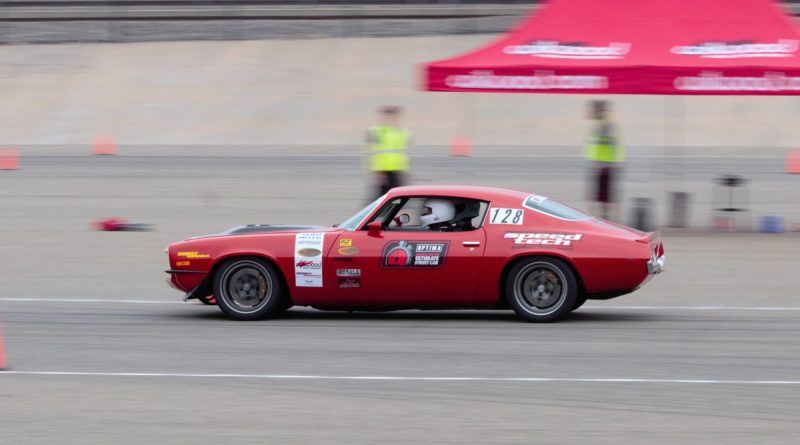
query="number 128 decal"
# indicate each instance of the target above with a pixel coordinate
(505, 216)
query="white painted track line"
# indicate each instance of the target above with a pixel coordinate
(610, 308)
(397, 378)
(695, 308)
(88, 300)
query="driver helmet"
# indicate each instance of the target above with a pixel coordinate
(437, 211)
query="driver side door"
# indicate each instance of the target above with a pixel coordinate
(397, 267)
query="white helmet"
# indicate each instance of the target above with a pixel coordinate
(441, 210)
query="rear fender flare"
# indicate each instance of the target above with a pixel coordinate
(528, 254)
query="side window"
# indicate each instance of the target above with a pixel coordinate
(388, 211)
(467, 214)
(413, 209)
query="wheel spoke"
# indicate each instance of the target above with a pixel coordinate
(540, 288)
(247, 287)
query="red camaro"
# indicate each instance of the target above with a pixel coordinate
(423, 247)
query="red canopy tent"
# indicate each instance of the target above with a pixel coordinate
(681, 47)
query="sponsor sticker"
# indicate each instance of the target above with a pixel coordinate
(349, 282)
(308, 259)
(538, 199)
(346, 242)
(540, 80)
(739, 49)
(569, 50)
(414, 254)
(309, 252)
(715, 81)
(192, 255)
(506, 216)
(348, 272)
(543, 239)
(349, 251)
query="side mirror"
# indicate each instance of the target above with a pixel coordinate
(374, 228)
(404, 218)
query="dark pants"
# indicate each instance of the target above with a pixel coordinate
(387, 181)
(605, 179)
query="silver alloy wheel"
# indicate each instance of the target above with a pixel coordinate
(246, 286)
(540, 288)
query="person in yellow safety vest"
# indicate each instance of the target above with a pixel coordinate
(387, 150)
(606, 155)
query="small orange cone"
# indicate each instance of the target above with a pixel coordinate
(460, 147)
(2, 351)
(9, 159)
(793, 161)
(105, 145)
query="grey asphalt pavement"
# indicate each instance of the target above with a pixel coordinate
(101, 351)
(175, 340)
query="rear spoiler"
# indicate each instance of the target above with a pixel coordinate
(650, 238)
(656, 247)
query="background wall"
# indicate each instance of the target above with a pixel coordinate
(324, 92)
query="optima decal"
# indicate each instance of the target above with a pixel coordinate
(308, 259)
(543, 239)
(414, 254)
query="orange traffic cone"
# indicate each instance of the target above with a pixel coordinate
(105, 145)
(460, 147)
(793, 161)
(2, 351)
(9, 159)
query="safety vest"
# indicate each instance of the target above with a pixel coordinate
(388, 150)
(601, 148)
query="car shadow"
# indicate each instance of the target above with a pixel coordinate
(584, 315)
(309, 314)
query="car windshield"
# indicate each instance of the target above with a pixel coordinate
(552, 208)
(352, 222)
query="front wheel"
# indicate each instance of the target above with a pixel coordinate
(541, 289)
(248, 289)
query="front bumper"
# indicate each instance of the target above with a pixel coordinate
(657, 265)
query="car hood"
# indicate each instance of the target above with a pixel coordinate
(250, 229)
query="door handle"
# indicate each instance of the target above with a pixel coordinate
(472, 243)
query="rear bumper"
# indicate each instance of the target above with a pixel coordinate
(656, 266)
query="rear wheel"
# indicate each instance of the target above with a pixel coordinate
(248, 289)
(541, 289)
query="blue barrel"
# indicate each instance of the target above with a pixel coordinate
(771, 224)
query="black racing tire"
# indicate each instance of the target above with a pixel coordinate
(579, 301)
(541, 289)
(249, 289)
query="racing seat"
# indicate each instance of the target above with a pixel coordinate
(465, 212)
